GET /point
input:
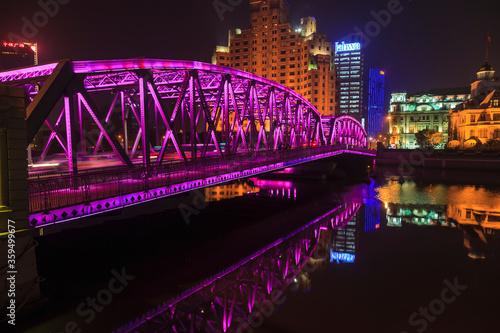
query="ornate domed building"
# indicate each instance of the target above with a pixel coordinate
(479, 117)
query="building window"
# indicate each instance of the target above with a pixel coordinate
(496, 134)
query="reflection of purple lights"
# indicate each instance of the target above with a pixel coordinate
(271, 184)
(250, 302)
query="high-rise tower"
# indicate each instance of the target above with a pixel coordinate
(349, 62)
(299, 58)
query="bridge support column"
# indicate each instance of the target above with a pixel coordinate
(14, 204)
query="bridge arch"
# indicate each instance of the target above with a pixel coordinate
(347, 130)
(221, 107)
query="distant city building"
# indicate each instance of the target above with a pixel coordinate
(478, 117)
(15, 55)
(349, 63)
(299, 58)
(411, 113)
(375, 119)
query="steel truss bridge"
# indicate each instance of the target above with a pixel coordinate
(154, 128)
(243, 295)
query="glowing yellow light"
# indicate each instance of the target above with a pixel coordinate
(386, 205)
(44, 165)
(382, 72)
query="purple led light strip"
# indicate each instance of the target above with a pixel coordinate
(27, 73)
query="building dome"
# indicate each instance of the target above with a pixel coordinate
(486, 67)
(486, 72)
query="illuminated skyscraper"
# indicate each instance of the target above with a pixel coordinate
(349, 63)
(15, 55)
(375, 118)
(299, 58)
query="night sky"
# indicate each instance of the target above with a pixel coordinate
(430, 44)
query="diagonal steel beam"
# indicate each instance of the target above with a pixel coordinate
(43, 103)
(108, 117)
(170, 129)
(92, 110)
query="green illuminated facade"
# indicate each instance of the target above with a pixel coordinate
(411, 113)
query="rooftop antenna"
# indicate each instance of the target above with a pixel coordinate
(487, 45)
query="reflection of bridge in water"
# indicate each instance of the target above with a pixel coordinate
(250, 289)
(117, 133)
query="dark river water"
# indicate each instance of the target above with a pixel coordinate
(412, 254)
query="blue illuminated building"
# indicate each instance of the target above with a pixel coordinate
(375, 123)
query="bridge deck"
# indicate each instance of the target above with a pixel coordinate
(55, 200)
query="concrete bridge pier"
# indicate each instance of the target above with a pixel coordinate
(19, 280)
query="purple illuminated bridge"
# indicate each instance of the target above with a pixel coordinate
(108, 134)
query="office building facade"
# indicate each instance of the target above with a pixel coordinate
(349, 64)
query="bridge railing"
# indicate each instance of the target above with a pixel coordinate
(50, 193)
